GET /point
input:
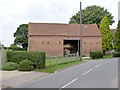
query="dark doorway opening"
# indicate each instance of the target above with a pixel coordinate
(71, 46)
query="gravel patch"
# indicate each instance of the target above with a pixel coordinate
(10, 74)
(16, 78)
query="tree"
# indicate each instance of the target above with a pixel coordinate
(92, 14)
(14, 47)
(21, 36)
(106, 35)
(116, 39)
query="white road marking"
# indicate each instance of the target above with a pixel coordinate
(97, 65)
(87, 71)
(69, 83)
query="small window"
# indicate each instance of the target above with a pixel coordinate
(96, 42)
(47, 42)
(90, 42)
(42, 42)
(84, 50)
(59, 42)
(84, 42)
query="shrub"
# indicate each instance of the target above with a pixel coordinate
(25, 65)
(9, 66)
(116, 54)
(68, 48)
(38, 58)
(83, 55)
(96, 54)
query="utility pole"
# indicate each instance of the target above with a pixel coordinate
(78, 44)
(80, 37)
(80, 31)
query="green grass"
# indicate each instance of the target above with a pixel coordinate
(107, 56)
(104, 57)
(52, 69)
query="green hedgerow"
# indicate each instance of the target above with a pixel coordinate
(38, 58)
(9, 66)
(96, 54)
(25, 65)
(116, 54)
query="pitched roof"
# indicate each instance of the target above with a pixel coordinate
(63, 29)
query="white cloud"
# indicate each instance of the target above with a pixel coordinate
(16, 12)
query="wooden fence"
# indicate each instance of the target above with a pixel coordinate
(53, 60)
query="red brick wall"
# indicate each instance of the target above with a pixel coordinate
(53, 45)
(91, 43)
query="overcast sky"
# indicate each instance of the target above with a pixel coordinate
(16, 12)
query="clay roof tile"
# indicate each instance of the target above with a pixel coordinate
(63, 29)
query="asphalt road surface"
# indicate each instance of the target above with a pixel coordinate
(92, 74)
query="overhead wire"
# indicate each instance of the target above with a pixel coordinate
(89, 2)
(60, 9)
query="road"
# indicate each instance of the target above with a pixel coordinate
(92, 74)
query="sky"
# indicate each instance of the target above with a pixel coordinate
(16, 12)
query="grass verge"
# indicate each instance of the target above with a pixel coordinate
(104, 57)
(107, 56)
(52, 69)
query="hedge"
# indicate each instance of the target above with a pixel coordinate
(38, 58)
(116, 54)
(96, 54)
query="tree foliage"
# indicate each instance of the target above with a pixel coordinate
(21, 36)
(116, 39)
(92, 14)
(106, 34)
(15, 47)
(2, 46)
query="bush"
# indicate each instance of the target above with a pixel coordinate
(25, 65)
(96, 54)
(38, 58)
(68, 48)
(116, 54)
(83, 55)
(9, 66)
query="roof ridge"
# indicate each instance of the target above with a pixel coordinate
(60, 23)
(48, 23)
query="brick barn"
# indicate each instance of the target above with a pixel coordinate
(52, 38)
